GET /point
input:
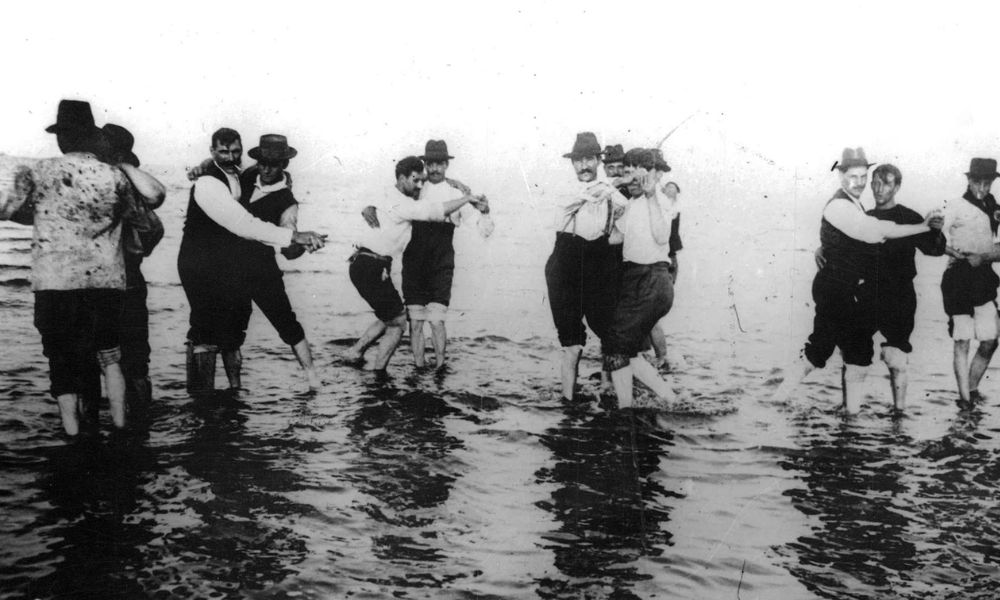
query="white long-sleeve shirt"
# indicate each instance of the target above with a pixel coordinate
(443, 192)
(213, 197)
(966, 227)
(396, 212)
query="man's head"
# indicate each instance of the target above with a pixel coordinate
(272, 155)
(672, 190)
(120, 143)
(585, 156)
(75, 129)
(410, 176)
(853, 167)
(614, 160)
(638, 162)
(982, 172)
(436, 158)
(886, 180)
(227, 149)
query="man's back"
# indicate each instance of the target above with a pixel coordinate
(77, 233)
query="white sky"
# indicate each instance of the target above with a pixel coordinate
(368, 82)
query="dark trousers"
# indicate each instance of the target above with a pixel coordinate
(845, 318)
(582, 279)
(646, 296)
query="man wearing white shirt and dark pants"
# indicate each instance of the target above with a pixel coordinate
(371, 264)
(845, 311)
(582, 272)
(211, 262)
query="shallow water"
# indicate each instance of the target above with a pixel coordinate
(475, 482)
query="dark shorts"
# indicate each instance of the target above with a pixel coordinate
(964, 287)
(582, 278)
(895, 305)
(429, 264)
(845, 318)
(75, 325)
(371, 277)
(647, 294)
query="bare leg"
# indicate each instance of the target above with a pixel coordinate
(369, 337)
(114, 380)
(960, 361)
(650, 377)
(980, 361)
(895, 359)
(417, 342)
(659, 342)
(232, 360)
(853, 378)
(390, 340)
(622, 380)
(439, 337)
(69, 411)
(303, 353)
(569, 361)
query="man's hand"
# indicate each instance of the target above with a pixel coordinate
(458, 185)
(481, 204)
(310, 239)
(198, 170)
(370, 215)
(975, 259)
(952, 252)
(819, 258)
(935, 219)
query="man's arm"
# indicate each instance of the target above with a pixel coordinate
(437, 211)
(290, 220)
(846, 217)
(148, 186)
(214, 198)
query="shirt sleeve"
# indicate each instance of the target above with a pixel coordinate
(846, 217)
(214, 198)
(423, 210)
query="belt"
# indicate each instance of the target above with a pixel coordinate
(366, 252)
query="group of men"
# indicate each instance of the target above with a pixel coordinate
(614, 264)
(90, 295)
(864, 283)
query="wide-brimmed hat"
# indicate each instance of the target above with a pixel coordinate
(640, 157)
(659, 163)
(850, 158)
(983, 168)
(272, 148)
(73, 115)
(586, 145)
(436, 151)
(121, 141)
(614, 153)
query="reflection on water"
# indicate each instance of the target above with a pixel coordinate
(610, 511)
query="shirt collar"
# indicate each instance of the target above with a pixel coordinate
(274, 187)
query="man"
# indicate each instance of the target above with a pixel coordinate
(267, 196)
(668, 191)
(582, 272)
(135, 315)
(646, 293)
(371, 264)
(844, 311)
(969, 284)
(895, 300)
(211, 263)
(429, 257)
(614, 163)
(78, 273)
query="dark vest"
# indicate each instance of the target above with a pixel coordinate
(202, 231)
(846, 257)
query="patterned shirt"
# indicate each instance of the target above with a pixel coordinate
(78, 230)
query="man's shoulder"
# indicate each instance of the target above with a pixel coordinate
(900, 214)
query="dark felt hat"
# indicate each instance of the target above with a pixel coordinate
(640, 157)
(659, 163)
(586, 145)
(436, 151)
(272, 148)
(983, 168)
(850, 158)
(73, 115)
(120, 140)
(614, 153)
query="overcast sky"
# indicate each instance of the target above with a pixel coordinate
(791, 83)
